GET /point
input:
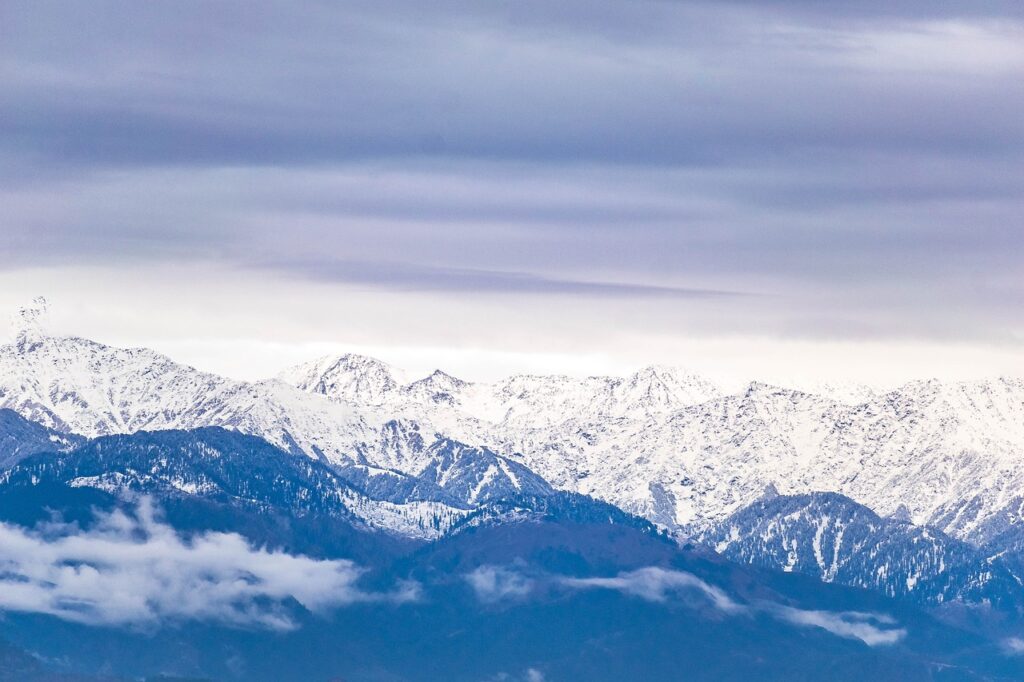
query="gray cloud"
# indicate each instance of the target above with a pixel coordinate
(412, 277)
(668, 83)
(859, 166)
(136, 571)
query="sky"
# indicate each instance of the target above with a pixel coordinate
(787, 190)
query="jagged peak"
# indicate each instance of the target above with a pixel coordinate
(32, 335)
(661, 371)
(358, 359)
(349, 376)
(30, 322)
(333, 363)
(352, 362)
(440, 379)
(759, 388)
(664, 387)
(764, 388)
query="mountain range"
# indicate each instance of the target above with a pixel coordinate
(652, 485)
(663, 444)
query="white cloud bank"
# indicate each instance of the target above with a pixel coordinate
(136, 571)
(657, 584)
(874, 629)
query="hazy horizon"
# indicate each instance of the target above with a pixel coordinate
(414, 363)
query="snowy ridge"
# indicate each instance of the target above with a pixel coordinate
(834, 539)
(669, 446)
(230, 468)
(662, 443)
(91, 389)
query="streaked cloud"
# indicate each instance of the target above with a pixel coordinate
(871, 628)
(787, 169)
(659, 584)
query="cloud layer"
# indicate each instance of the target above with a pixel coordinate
(795, 169)
(138, 571)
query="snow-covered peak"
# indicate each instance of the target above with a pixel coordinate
(846, 392)
(77, 385)
(835, 539)
(92, 389)
(525, 401)
(438, 387)
(656, 390)
(441, 381)
(351, 378)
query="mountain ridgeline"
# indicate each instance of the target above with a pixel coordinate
(664, 444)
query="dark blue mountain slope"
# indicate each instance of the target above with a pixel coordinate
(21, 438)
(542, 622)
(555, 587)
(207, 479)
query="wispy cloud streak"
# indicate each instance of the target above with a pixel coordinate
(659, 584)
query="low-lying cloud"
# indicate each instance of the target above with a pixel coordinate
(496, 583)
(658, 584)
(873, 629)
(137, 570)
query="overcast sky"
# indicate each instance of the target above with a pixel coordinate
(789, 189)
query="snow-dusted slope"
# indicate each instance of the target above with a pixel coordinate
(831, 537)
(668, 445)
(79, 386)
(951, 452)
(229, 468)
